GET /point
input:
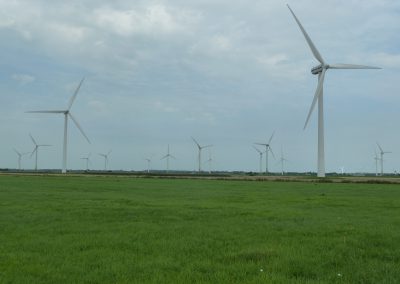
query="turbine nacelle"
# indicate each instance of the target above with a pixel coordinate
(318, 69)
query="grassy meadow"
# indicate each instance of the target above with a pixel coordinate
(79, 229)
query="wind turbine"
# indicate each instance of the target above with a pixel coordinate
(105, 156)
(382, 153)
(261, 154)
(167, 157)
(200, 148)
(376, 158)
(209, 161)
(320, 71)
(282, 160)
(267, 149)
(36, 149)
(67, 113)
(20, 155)
(87, 161)
(148, 164)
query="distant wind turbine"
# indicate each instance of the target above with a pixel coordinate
(267, 149)
(87, 159)
(67, 113)
(382, 153)
(209, 161)
(260, 153)
(282, 160)
(320, 71)
(105, 156)
(200, 148)
(36, 150)
(376, 158)
(148, 164)
(167, 156)
(20, 155)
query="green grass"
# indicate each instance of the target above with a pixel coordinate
(125, 230)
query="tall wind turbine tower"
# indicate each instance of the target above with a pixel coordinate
(282, 160)
(36, 150)
(318, 96)
(382, 153)
(20, 155)
(67, 113)
(260, 153)
(200, 148)
(267, 149)
(209, 161)
(148, 164)
(376, 158)
(105, 156)
(87, 159)
(167, 156)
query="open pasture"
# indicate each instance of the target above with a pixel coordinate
(130, 230)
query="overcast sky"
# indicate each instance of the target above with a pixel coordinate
(228, 73)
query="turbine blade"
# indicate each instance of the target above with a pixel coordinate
(380, 148)
(164, 157)
(258, 150)
(173, 157)
(197, 143)
(262, 144)
(45, 111)
(351, 66)
(34, 150)
(18, 153)
(207, 146)
(316, 96)
(44, 145)
(71, 101)
(33, 140)
(269, 141)
(273, 155)
(308, 39)
(109, 152)
(79, 127)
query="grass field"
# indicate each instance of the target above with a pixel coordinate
(57, 229)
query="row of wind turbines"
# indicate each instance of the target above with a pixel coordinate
(319, 70)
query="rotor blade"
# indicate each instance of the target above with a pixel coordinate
(33, 140)
(164, 157)
(44, 145)
(71, 101)
(316, 96)
(197, 143)
(351, 66)
(273, 155)
(45, 111)
(79, 127)
(269, 141)
(258, 150)
(262, 144)
(34, 150)
(207, 146)
(308, 39)
(172, 157)
(109, 152)
(18, 153)
(388, 152)
(102, 155)
(380, 148)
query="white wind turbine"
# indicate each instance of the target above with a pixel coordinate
(87, 159)
(148, 164)
(209, 161)
(282, 160)
(105, 156)
(382, 153)
(376, 158)
(36, 149)
(20, 155)
(67, 113)
(267, 149)
(167, 156)
(260, 153)
(320, 71)
(200, 148)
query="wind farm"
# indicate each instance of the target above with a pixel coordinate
(205, 163)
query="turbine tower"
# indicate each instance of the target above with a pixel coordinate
(20, 155)
(87, 158)
(267, 149)
(318, 96)
(282, 160)
(167, 158)
(261, 154)
(200, 148)
(376, 158)
(67, 113)
(209, 161)
(105, 156)
(36, 149)
(382, 153)
(148, 164)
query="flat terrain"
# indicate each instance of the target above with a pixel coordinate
(73, 229)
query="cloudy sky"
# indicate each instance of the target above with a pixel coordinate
(228, 73)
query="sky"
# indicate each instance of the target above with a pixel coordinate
(228, 73)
